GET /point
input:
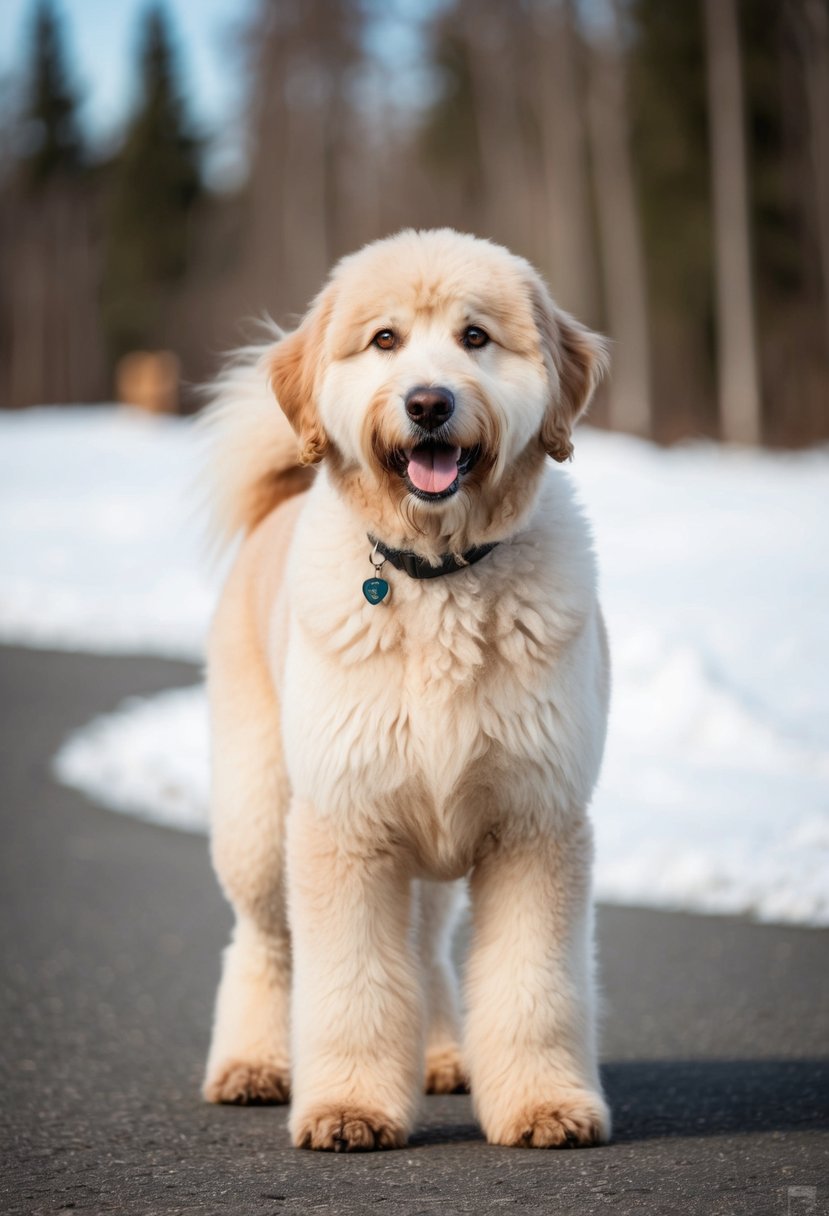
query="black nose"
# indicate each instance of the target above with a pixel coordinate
(430, 407)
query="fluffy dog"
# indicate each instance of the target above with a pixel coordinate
(408, 679)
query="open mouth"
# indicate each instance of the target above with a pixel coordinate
(433, 470)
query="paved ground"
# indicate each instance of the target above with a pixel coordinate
(717, 1033)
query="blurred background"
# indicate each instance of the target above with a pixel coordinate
(169, 169)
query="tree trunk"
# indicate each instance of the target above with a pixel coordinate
(623, 259)
(567, 223)
(814, 46)
(739, 393)
(494, 62)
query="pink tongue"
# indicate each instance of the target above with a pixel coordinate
(433, 469)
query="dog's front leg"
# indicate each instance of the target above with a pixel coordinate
(530, 1043)
(357, 1041)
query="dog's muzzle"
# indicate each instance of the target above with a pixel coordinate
(433, 469)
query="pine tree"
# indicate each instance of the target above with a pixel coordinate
(156, 185)
(51, 133)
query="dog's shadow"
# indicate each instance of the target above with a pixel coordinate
(651, 1099)
(686, 1098)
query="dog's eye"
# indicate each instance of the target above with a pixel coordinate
(385, 339)
(473, 337)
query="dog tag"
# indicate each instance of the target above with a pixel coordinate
(375, 590)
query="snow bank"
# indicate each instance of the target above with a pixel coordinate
(715, 582)
(100, 541)
(149, 759)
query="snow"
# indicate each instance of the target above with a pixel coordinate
(715, 580)
(100, 536)
(149, 758)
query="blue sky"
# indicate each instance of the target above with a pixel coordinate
(101, 39)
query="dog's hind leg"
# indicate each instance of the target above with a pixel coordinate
(440, 906)
(249, 1054)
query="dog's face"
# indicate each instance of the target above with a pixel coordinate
(435, 374)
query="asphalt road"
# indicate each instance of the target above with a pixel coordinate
(716, 1033)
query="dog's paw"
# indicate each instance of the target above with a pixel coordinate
(248, 1084)
(572, 1120)
(345, 1128)
(445, 1073)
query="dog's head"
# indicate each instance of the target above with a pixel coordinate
(434, 374)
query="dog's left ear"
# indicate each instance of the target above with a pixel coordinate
(577, 360)
(296, 364)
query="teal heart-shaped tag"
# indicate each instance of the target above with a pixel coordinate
(375, 590)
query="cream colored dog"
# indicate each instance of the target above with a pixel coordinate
(372, 744)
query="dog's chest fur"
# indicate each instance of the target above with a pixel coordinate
(435, 720)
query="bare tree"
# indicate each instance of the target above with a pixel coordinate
(567, 221)
(622, 253)
(299, 212)
(739, 392)
(495, 38)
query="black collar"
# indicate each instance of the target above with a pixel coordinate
(418, 567)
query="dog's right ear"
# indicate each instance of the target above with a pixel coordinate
(295, 367)
(576, 359)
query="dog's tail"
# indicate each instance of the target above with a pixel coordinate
(252, 461)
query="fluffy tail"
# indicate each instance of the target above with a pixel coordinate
(253, 454)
